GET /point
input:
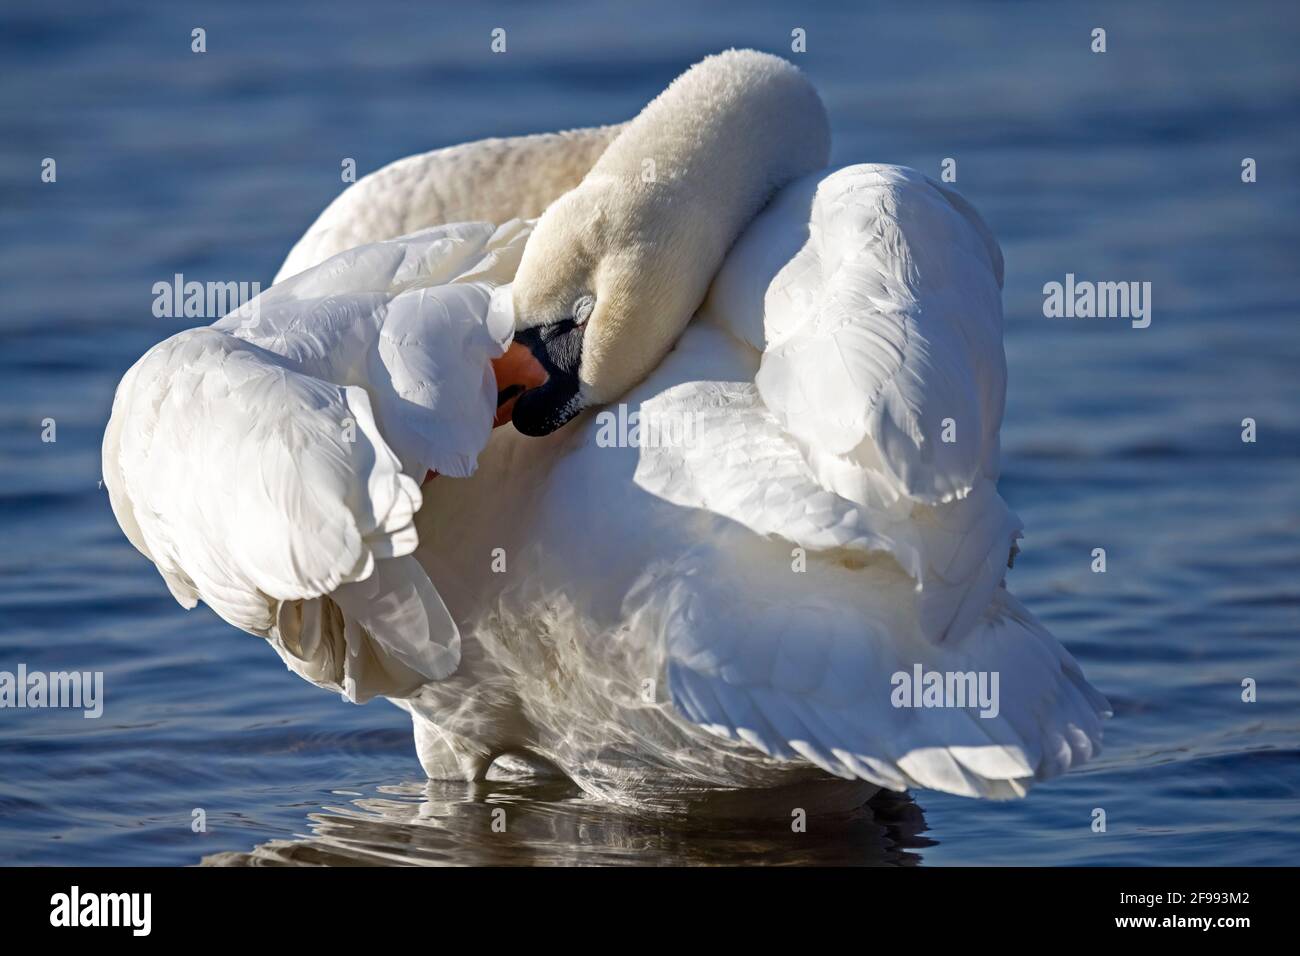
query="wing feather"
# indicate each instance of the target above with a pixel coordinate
(869, 438)
(268, 464)
(825, 691)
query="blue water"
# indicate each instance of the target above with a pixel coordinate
(1115, 166)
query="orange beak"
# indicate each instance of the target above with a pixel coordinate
(516, 371)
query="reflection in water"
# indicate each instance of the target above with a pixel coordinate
(551, 822)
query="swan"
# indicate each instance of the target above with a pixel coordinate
(733, 611)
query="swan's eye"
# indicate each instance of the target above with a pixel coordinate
(582, 309)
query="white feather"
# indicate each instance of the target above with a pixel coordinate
(269, 465)
(874, 295)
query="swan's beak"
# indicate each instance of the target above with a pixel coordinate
(557, 347)
(516, 371)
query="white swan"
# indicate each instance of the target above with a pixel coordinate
(730, 612)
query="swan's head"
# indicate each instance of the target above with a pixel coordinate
(606, 284)
(616, 267)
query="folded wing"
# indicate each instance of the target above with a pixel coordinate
(269, 464)
(865, 455)
(875, 297)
